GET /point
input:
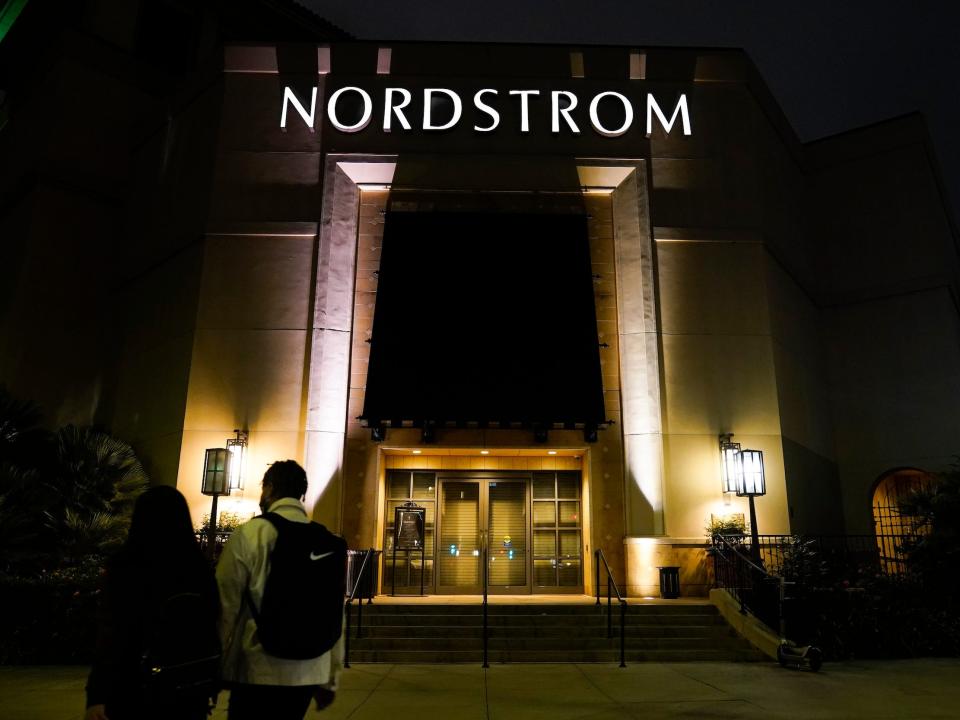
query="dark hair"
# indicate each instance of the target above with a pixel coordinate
(160, 526)
(287, 479)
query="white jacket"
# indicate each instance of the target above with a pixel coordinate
(246, 562)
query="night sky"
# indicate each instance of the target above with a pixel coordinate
(832, 65)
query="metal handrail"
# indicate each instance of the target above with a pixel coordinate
(758, 573)
(486, 631)
(612, 585)
(349, 603)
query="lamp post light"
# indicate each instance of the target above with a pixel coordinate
(222, 473)
(752, 483)
(216, 482)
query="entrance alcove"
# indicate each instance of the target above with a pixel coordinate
(622, 476)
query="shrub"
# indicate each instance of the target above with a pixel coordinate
(65, 503)
(50, 617)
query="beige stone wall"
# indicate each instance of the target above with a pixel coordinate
(889, 274)
(249, 351)
(719, 376)
(248, 360)
(644, 557)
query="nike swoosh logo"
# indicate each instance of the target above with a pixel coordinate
(314, 556)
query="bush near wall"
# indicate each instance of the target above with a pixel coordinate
(50, 618)
(874, 616)
(869, 614)
(66, 497)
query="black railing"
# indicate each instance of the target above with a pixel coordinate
(486, 569)
(611, 590)
(839, 554)
(349, 605)
(758, 591)
(203, 537)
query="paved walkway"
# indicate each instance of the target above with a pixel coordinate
(914, 689)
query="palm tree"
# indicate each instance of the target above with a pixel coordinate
(95, 472)
(94, 480)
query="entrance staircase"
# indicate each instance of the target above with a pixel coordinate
(419, 633)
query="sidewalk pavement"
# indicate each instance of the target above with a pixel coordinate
(914, 689)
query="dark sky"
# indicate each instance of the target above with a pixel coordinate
(832, 65)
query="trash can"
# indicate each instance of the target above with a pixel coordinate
(669, 582)
(368, 585)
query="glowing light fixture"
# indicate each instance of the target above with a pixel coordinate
(551, 452)
(237, 459)
(752, 483)
(484, 452)
(215, 473)
(222, 473)
(416, 452)
(730, 463)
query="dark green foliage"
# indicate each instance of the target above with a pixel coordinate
(858, 611)
(872, 616)
(93, 480)
(20, 532)
(725, 526)
(50, 616)
(63, 495)
(65, 503)
(934, 552)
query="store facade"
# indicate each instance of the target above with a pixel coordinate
(625, 266)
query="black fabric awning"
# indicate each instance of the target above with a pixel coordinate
(484, 318)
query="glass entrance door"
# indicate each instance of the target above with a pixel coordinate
(458, 553)
(470, 509)
(507, 536)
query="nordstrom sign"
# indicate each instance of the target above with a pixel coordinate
(443, 109)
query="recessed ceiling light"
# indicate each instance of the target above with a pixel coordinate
(417, 452)
(551, 452)
(484, 452)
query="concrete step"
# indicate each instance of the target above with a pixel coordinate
(558, 630)
(528, 656)
(685, 608)
(423, 633)
(543, 620)
(427, 633)
(542, 644)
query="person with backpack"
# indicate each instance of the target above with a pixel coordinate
(158, 649)
(282, 581)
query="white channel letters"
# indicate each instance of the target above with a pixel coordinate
(562, 103)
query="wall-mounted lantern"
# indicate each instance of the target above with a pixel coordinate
(730, 468)
(237, 447)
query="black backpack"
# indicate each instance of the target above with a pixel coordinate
(181, 657)
(301, 614)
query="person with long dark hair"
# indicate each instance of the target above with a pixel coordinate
(157, 653)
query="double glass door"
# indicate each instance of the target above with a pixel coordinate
(474, 511)
(530, 521)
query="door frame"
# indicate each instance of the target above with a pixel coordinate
(483, 480)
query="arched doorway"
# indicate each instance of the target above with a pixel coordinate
(892, 527)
